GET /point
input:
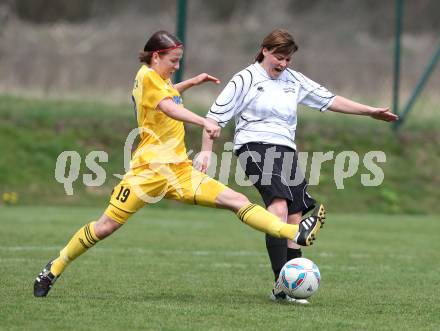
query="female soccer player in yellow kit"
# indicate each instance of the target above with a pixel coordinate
(160, 167)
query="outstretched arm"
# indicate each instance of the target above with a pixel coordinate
(197, 80)
(347, 106)
(179, 113)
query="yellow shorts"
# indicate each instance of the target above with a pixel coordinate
(151, 183)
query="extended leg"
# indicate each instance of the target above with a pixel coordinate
(260, 219)
(82, 240)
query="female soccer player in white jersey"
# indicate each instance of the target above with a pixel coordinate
(263, 100)
(160, 167)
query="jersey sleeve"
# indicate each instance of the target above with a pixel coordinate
(153, 91)
(313, 94)
(230, 100)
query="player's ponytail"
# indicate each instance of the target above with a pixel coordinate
(160, 42)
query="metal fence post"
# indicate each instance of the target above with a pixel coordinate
(180, 32)
(398, 34)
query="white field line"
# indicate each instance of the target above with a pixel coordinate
(140, 250)
(136, 250)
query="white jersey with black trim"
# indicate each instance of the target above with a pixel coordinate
(265, 108)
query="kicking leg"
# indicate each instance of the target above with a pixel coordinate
(260, 219)
(85, 238)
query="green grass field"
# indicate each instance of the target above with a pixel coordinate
(189, 268)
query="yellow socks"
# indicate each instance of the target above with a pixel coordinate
(81, 241)
(260, 219)
(253, 215)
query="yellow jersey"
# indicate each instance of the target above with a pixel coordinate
(162, 138)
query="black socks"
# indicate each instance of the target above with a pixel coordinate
(279, 253)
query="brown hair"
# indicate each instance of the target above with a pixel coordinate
(278, 41)
(161, 42)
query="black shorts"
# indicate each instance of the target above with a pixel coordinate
(273, 171)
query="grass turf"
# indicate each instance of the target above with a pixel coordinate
(34, 132)
(199, 269)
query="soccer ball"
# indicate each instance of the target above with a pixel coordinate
(299, 278)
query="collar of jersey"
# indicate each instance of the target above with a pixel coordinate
(263, 72)
(168, 81)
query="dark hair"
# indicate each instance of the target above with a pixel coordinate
(279, 41)
(160, 41)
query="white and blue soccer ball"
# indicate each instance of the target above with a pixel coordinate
(299, 278)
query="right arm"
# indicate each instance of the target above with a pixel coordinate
(179, 113)
(220, 113)
(224, 108)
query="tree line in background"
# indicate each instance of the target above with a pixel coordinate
(420, 16)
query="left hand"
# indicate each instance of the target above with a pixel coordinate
(383, 114)
(204, 77)
(202, 161)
